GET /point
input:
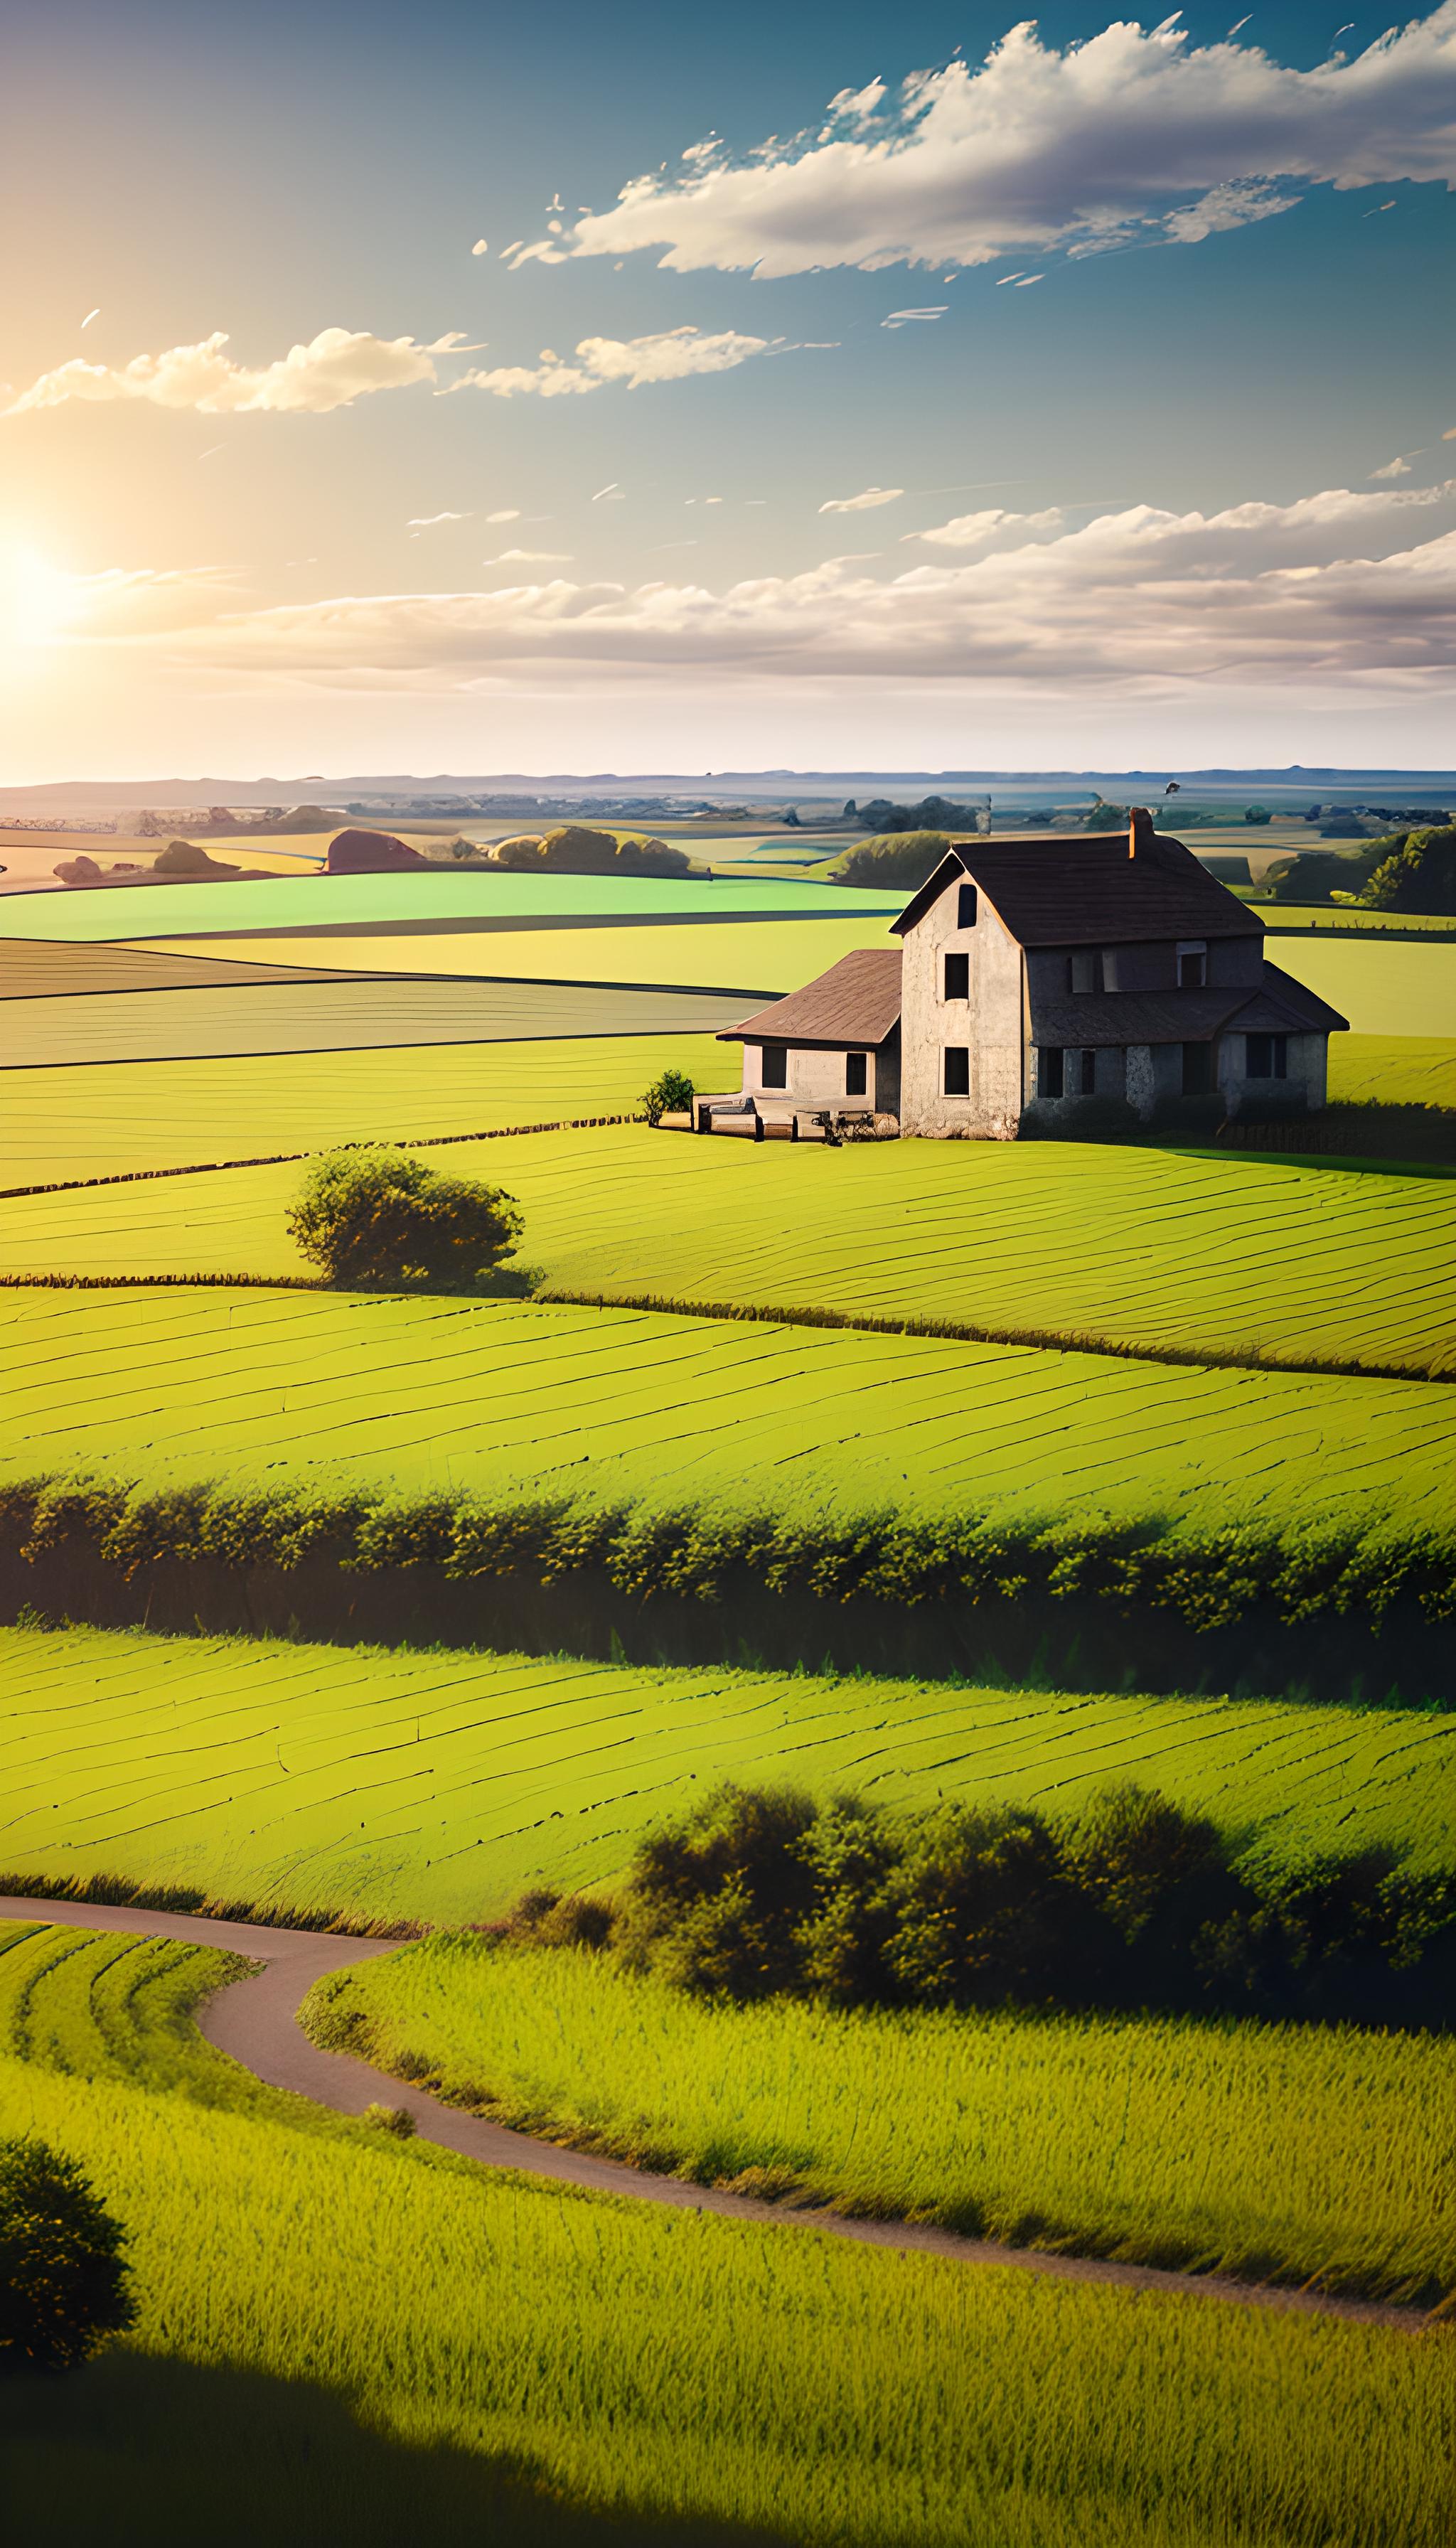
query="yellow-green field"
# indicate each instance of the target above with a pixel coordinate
(1393, 1070)
(1310, 2154)
(1257, 1258)
(439, 1786)
(440, 2328)
(299, 1392)
(1399, 990)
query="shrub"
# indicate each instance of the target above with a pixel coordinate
(716, 1903)
(373, 1217)
(396, 2120)
(673, 1094)
(1419, 877)
(900, 859)
(574, 849)
(64, 2285)
(985, 1913)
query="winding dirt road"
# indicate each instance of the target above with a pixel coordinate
(256, 2021)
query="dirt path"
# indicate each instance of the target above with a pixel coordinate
(257, 2021)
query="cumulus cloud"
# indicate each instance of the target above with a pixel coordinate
(1400, 467)
(867, 503)
(1334, 594)
(675, 355)
(1132, 135)
(974, 530)
(338, 366)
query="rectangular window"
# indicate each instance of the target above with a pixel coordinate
(958, 1070)
(856, 1073)
(1193, 965)
(1197, 1069)
(1266, 1057)
(1050, 1071)
(965, 906)
(776, 1066)
(1087, 1074)
(958, 978)
(1084, 970)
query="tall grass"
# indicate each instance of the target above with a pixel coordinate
(1300, 2155)
(657, 2365)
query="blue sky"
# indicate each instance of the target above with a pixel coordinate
(1117, 533)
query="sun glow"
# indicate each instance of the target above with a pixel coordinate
(35, 599)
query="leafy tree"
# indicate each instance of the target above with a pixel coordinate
(985, 1912)
(673, 1094)
(901, 859)
(1258, 814)
(1107, 818)
(1313, 876)
(64, 2284)
(1420, 875)
(715, 1904)
(575, 848)
(370, 1219)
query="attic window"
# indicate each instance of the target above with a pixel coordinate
(1193, 964)
(965, 908)
(958, 978)
(774, 1073)
(958, 1070)
(1084, 970)
(1266, 1057)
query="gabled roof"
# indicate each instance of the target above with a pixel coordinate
(1277, 1004)
(1104, 888)
(856, 1002)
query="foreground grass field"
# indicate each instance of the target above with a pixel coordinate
(305, 1392)
(672, 2367)
(1253, 1258)
(439, 1786)
(1302, 2154)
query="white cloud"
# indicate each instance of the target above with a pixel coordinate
(675, 355)
(508, 513)
(333, 370)
(903, 318)
(867, 503)
(1308, 599)
(1131, 134)
(427, 521)
(481, 247)
(974, 530)
(90, 315)
(1400, 467)
(531, 557)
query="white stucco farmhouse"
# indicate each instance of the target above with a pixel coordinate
(1036, 975)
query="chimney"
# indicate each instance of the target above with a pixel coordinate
(1141, 835)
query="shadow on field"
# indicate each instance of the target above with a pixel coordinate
(141, 2452)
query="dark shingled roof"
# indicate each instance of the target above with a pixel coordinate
(1278, 1004)
(1085, 890)
(856, 1002)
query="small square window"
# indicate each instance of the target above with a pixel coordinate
(776, 1066)
(1050, 1071)
(958, 1070)
(958, 978)
(965, 906)
(856, 1073)
(1266, 1057)
(1087, 1073)
(1193, 967)
(1084, 970)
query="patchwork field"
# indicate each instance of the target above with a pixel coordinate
(1400, 990)
(1393, 1070)
(1299, 2155)
(331, 2318)
(302, 1390)
(1164, 1251)
(440, 1786)
(44, 968)
(72, 1124)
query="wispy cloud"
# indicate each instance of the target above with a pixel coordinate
(865, 503)
(506, 513)
(427, 521)
(978, 531)
(336, 367)
(1400, 467)
(531, 557)
(90, 315)
(904, 318)
(678, 354)
(481, 247)
(1130, 134)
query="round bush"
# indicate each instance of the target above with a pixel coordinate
(372, 1218)
(64, 2285)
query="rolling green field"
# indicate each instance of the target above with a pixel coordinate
(655, 2366)
(1393, 1070)
(122, 1117)
(1399, 990)
(1349, 922)
(1257, 1258)
(439, 1786)
(299, 1392)
(1294, 2153)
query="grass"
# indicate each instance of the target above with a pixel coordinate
(127, 1116)
(1384, 990)
(1349, 922)
(307, 1391)
(1254, 1258)
(1393, 1070)
(669, 2366)
(386, 1785)
(1272, 2152)
(450, 895)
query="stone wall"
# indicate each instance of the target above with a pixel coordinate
(989, 1022)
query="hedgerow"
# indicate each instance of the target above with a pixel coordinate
(1209, 1579)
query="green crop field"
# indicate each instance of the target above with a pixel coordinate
(122, 1116)
(300, 1390)
(1255, 1258)
(1399, 990)
(449, 897)
(439, 1786)
(1348, 922)
(361, 2323)
(1393, 1070)
(1297, 2153)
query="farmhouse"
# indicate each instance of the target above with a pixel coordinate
(1036, 975)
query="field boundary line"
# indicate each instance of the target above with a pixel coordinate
(255, 2021)
(288, 1158)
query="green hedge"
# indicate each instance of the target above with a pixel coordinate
(1209, 1579)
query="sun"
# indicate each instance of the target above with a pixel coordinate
(35, 599)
